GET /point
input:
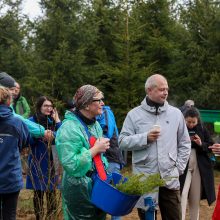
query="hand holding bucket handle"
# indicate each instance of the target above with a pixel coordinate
(98, 160)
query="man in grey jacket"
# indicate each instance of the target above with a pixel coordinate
(156, 134)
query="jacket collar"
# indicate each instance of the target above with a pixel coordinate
(150, 107)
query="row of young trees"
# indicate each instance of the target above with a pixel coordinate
(115, 45)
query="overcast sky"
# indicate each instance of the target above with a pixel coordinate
(31, 8)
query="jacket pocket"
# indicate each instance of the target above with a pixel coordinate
(140, 157)
(173, 158)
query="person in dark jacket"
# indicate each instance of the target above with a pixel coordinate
(42, 176)
(197, 182)
(14, 136)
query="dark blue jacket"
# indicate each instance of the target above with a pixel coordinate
(42, 175)
(14, 136)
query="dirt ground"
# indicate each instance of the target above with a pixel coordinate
(205, 210)
(25, 207)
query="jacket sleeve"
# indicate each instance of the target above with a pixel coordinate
(73, 153)
(206, 140)
(26, 108)
(183, 146)
(35, 130)
(128, 139)
(24, 137)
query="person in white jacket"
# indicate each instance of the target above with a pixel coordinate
(157, 135)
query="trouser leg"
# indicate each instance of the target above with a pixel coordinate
(185, 193)
(169, 203)
(195, 194)
(38, 204)
(9, 205)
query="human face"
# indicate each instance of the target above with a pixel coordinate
(12, 91)
(95, 108)
(46, 108)
(17, 90)
(191, 122)
(159, 92)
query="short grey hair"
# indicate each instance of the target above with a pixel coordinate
(189, 103)
(151, 81)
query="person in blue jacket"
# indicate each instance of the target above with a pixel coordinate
(42, 176)
(35, 130)
(14, 136)
(113, 154)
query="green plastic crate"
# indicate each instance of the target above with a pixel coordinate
(210, 115)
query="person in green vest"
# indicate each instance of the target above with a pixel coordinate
(20, 104)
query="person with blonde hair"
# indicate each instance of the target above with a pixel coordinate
(14, 136)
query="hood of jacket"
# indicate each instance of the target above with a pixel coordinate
(5, 112)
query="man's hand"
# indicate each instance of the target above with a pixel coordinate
(153, 135)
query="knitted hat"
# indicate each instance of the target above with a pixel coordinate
(6, 80)
(84, 96)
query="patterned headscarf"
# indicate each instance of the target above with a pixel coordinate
(84, 96)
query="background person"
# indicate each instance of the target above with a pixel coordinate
(165, 150)
(188, 104)
(14, 136)
(42, 176)
(34, 129)
(113, 154)
(198, 180)
(76, 156)
(21, 107)
(20, 104)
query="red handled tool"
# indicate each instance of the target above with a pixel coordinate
(98, 161)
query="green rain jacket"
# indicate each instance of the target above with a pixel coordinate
(72, 145)
(22, 108)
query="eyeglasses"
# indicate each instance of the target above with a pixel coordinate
(47, 106)
(98, 100)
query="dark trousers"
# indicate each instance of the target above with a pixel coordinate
(169, 204)
(8, 206)
(39, 201)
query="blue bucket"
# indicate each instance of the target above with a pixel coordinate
(111, 200)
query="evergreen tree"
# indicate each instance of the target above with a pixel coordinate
(12, 44)
(201, 18)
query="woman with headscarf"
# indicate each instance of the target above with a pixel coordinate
(76, 156)
(42, 176)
